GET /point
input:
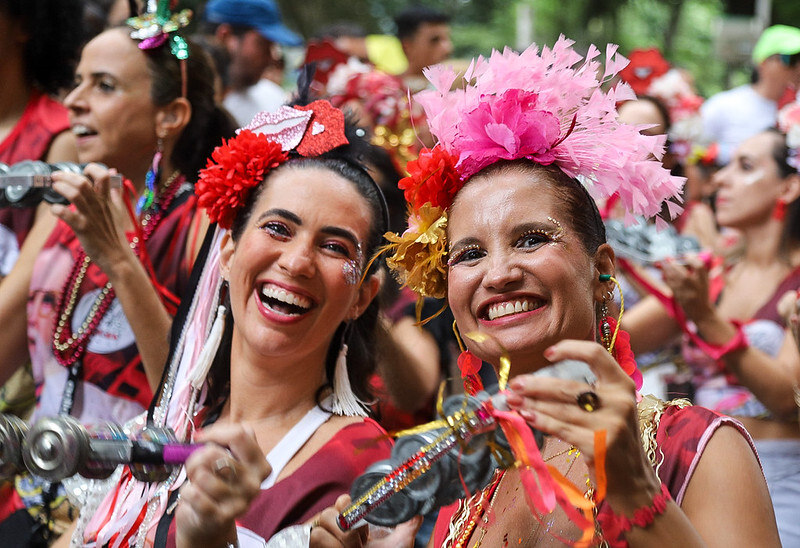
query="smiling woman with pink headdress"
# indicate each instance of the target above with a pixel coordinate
(503, 222)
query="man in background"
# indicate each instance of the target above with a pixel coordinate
(249, 35)
(732, 116)
(425, 37)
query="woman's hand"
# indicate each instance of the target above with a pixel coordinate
(325, 532)
(688, 281)
(221, 484)
(551, 405)
(99, 217)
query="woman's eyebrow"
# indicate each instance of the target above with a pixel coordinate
(285, 213)
(342, 233)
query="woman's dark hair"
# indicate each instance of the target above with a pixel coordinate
(781, 154)
(581, 210)
(55, 36)
(345, 161)
(209, 122)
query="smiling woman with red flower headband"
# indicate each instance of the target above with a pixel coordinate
(271, 362)
(509, 231)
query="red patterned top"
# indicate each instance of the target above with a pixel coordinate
(115, 386)
(316, 484)
(30, 139)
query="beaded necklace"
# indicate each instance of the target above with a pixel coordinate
(69, 347)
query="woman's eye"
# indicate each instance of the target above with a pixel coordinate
(106, 86)
(534, 239)
(277, 230)
(468, 254)
(338, 248)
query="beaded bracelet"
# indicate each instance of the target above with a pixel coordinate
(614, 526)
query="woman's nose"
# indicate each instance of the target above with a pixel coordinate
(74, 100)
(297, 259)
(719, 178)
(501, 272)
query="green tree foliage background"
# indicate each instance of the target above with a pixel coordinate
(682, 29)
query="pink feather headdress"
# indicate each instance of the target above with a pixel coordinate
(547, 106)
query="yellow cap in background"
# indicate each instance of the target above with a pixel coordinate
(386, 53)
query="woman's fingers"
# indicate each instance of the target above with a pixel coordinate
(325, 529)
(596, 356)
(242, 444)
(101, 177)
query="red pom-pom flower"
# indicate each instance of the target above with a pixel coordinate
(432, 179)
(623, 353)
(235, 167)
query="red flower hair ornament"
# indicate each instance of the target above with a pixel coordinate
(432, 178)
(242, 162)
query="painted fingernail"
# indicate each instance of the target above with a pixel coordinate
(529, 416)
(513, 399)
(550, 352)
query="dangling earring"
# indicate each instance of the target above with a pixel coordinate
(607, 323)
(469, 365)
(344, 401)
(779, 213)
(151, 180)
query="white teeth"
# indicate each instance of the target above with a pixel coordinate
(273, 292)
(506, 309)
(81, 130)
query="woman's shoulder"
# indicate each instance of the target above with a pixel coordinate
(675, 435)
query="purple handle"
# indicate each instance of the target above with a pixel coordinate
(178, 453)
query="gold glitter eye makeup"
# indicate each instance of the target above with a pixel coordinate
(466, 253)
(536, 237)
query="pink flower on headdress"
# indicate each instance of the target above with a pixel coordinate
(505, 127)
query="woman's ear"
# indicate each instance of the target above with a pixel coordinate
(603, 266)
(791, 188)
(226, 248)
(173, 117)
(368, 291)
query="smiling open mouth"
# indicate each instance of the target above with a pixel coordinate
(82, 131)
(284, 302)
(500, 310)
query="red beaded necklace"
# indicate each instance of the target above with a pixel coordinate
(69, 347)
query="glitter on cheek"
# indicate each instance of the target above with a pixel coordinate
(351, 271)
(352, 267)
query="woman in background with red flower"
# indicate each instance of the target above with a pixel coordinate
(737, 345)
